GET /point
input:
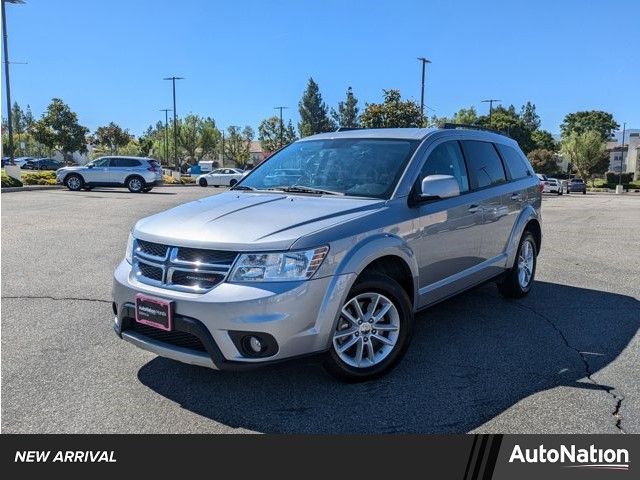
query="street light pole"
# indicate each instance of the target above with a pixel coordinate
(166, 134)
(6, 76)
(490, 102)
(175, 122)
(424, 65)
(624, 130)
(281, 125)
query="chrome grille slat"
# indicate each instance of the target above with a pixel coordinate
(173, 271)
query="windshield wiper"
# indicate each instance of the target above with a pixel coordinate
(242, 187)
(303, 189)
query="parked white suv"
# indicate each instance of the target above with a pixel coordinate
(136, 173)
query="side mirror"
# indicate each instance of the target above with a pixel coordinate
(439, 186)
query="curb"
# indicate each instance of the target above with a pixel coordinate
(26, 188)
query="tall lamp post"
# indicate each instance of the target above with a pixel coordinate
(166, 134)
(624, 131)
(175, 122)
(6, 75)
(490, 102)
(424, 66)
(281, 125)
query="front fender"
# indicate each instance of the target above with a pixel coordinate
(526, 215)
(371, 248)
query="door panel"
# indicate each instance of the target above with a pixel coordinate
(99, 173)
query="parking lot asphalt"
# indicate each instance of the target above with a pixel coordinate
(563, 360)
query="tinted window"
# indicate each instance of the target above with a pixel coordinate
(125, 162)
(101, 162)
(446, 159)
(514, 161)
(484, 164)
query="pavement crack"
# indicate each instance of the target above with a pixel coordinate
(47, 297)
(587, 368)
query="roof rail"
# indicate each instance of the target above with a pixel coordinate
(450, 126)
(346, 129)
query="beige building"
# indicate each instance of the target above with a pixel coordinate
(624, 158)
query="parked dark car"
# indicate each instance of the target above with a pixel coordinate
(42, 164)
(577, 185)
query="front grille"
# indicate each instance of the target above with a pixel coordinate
(150, 248)
(178, 339)
(215, 257)
(150, 271)
(180, 268)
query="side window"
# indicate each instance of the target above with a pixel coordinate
(102, 162)
(485, 166)
(130, 162)
(447, 159)
(515, 162)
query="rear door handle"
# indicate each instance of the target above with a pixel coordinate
(474, 209)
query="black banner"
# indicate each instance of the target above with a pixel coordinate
(463, 457)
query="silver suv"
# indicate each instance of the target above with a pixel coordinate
(367, 228)
(136, 173)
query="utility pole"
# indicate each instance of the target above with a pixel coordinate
(5, 46)
(424, 65)
(281, 125)
(166, 134)
(175, 122)
(222, 148)
(490, 102)
(624, 130)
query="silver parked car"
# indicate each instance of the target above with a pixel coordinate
(375, 226)
(226, 177)
(136, 173)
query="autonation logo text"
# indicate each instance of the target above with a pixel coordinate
(592, 457)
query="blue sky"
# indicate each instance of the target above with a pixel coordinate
(106, 59)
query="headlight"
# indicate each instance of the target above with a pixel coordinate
(278, 267)
(129, 253)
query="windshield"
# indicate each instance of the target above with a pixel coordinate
(346, 166)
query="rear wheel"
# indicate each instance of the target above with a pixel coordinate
(373, 330)
(233, 182)
(74, 182)
(519, 279)
(135, 184)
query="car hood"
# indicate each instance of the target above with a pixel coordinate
(250, 221)
(71, 169)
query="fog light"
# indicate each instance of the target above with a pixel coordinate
(255, 344)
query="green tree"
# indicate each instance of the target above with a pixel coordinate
(112, 137)
(237, 144)
(58, 129)
(544, 161)
(584, 151)
(198, 137)
(594, 120)
(269, 134)
(466, 116)
(529, 117)
(347, 114)
(314, 116)
(393, 112)
(28, 117)
(543, 140)
(17, 119)
(508, 121)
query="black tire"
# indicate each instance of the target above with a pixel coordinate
(73, 182)
(135, 184)
(384, 285)
(584, 192)
(510, 286)
(203, 182)
(232, 182)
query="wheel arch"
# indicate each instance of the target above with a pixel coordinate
(528, 219)
(129, 177)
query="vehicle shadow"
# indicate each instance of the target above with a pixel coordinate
(471, 358)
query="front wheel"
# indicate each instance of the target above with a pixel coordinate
(203, 182)
(373, 330)
(233, 182)
(73, 182)
(519, 279)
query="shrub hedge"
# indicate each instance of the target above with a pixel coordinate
(39, 178)
(8, 181)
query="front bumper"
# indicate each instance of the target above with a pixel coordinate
(299, 316)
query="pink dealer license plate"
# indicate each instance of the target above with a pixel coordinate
(154, 312)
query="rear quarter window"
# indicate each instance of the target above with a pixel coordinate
(515, 162)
